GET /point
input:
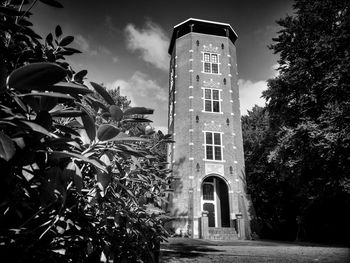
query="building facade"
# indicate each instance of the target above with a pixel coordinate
(204, 119)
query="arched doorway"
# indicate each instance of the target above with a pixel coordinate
(215, 200)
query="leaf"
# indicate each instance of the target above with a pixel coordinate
(71, 51)
(58, 31)
(24, 22)
(80, 75)
(37, 128)
(72, 171)
(58, 141)
(138, 110)
(89, 124)
(44, 119)
(20, 103)
(66, 41)
(66, 113)
(103, 92)
(105, 159)
(10, 11)
(95, 103)
(129, 139)
(136, 120)
(116, 112)
(106, 132)
(41, 103)
(76, 124)
(35, 74)
(66, 129)
(103, 178)
(64, 154)
(47, 94)
(84, 137)
(7, 147)
(53, 3)
(49, 39)
(66, 87)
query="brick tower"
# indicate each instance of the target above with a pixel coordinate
(209, 199)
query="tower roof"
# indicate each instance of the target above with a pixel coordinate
(202, 26)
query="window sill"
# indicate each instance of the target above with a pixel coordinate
(210, 73)
(212, 112)
(215, 161)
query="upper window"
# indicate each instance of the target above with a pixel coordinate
(213, 146)
(211, 100)
(211, 63)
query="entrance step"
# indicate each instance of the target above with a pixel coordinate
(222, 233)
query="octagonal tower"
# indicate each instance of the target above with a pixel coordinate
(209, 198)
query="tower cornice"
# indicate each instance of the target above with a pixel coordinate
(202, 26)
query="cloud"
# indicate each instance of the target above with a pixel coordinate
(115, 59)
(275, 70)
(141, 90)
(109, 24)
(250, 94)
(145, 92)
(265, 34)
(103, 50)
(85, 46)
(151, 42)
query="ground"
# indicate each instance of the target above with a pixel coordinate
(183, 250)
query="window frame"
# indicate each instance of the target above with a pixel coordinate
(209, 59)
(211, 100)
(213, 146)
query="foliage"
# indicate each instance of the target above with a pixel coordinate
(307, 157)
(77, 184)
(268, 192)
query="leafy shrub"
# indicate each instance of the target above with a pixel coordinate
(81, 180)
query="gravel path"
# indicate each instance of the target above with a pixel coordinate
(191, 250)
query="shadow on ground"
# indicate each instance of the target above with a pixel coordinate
(197, 250)
(184, 247)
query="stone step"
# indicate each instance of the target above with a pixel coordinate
(222, 233)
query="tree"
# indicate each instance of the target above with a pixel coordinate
(270, 195)
(309, 103)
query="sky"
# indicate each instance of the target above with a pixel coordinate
(125, 43)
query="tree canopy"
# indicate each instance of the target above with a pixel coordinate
(308, 110)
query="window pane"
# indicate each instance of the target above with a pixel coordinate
(217, 153)
(215, 68)
(216, 106)
(206, 57)
(209, 153)
(217, 140)
(208, 192)
(208, 105)
(208, 138)
(215, 94)
(214, 58)
(208, 94)
(207, 67)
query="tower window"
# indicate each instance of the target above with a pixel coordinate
(212, 100)
(211, 63)
(213, 146)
